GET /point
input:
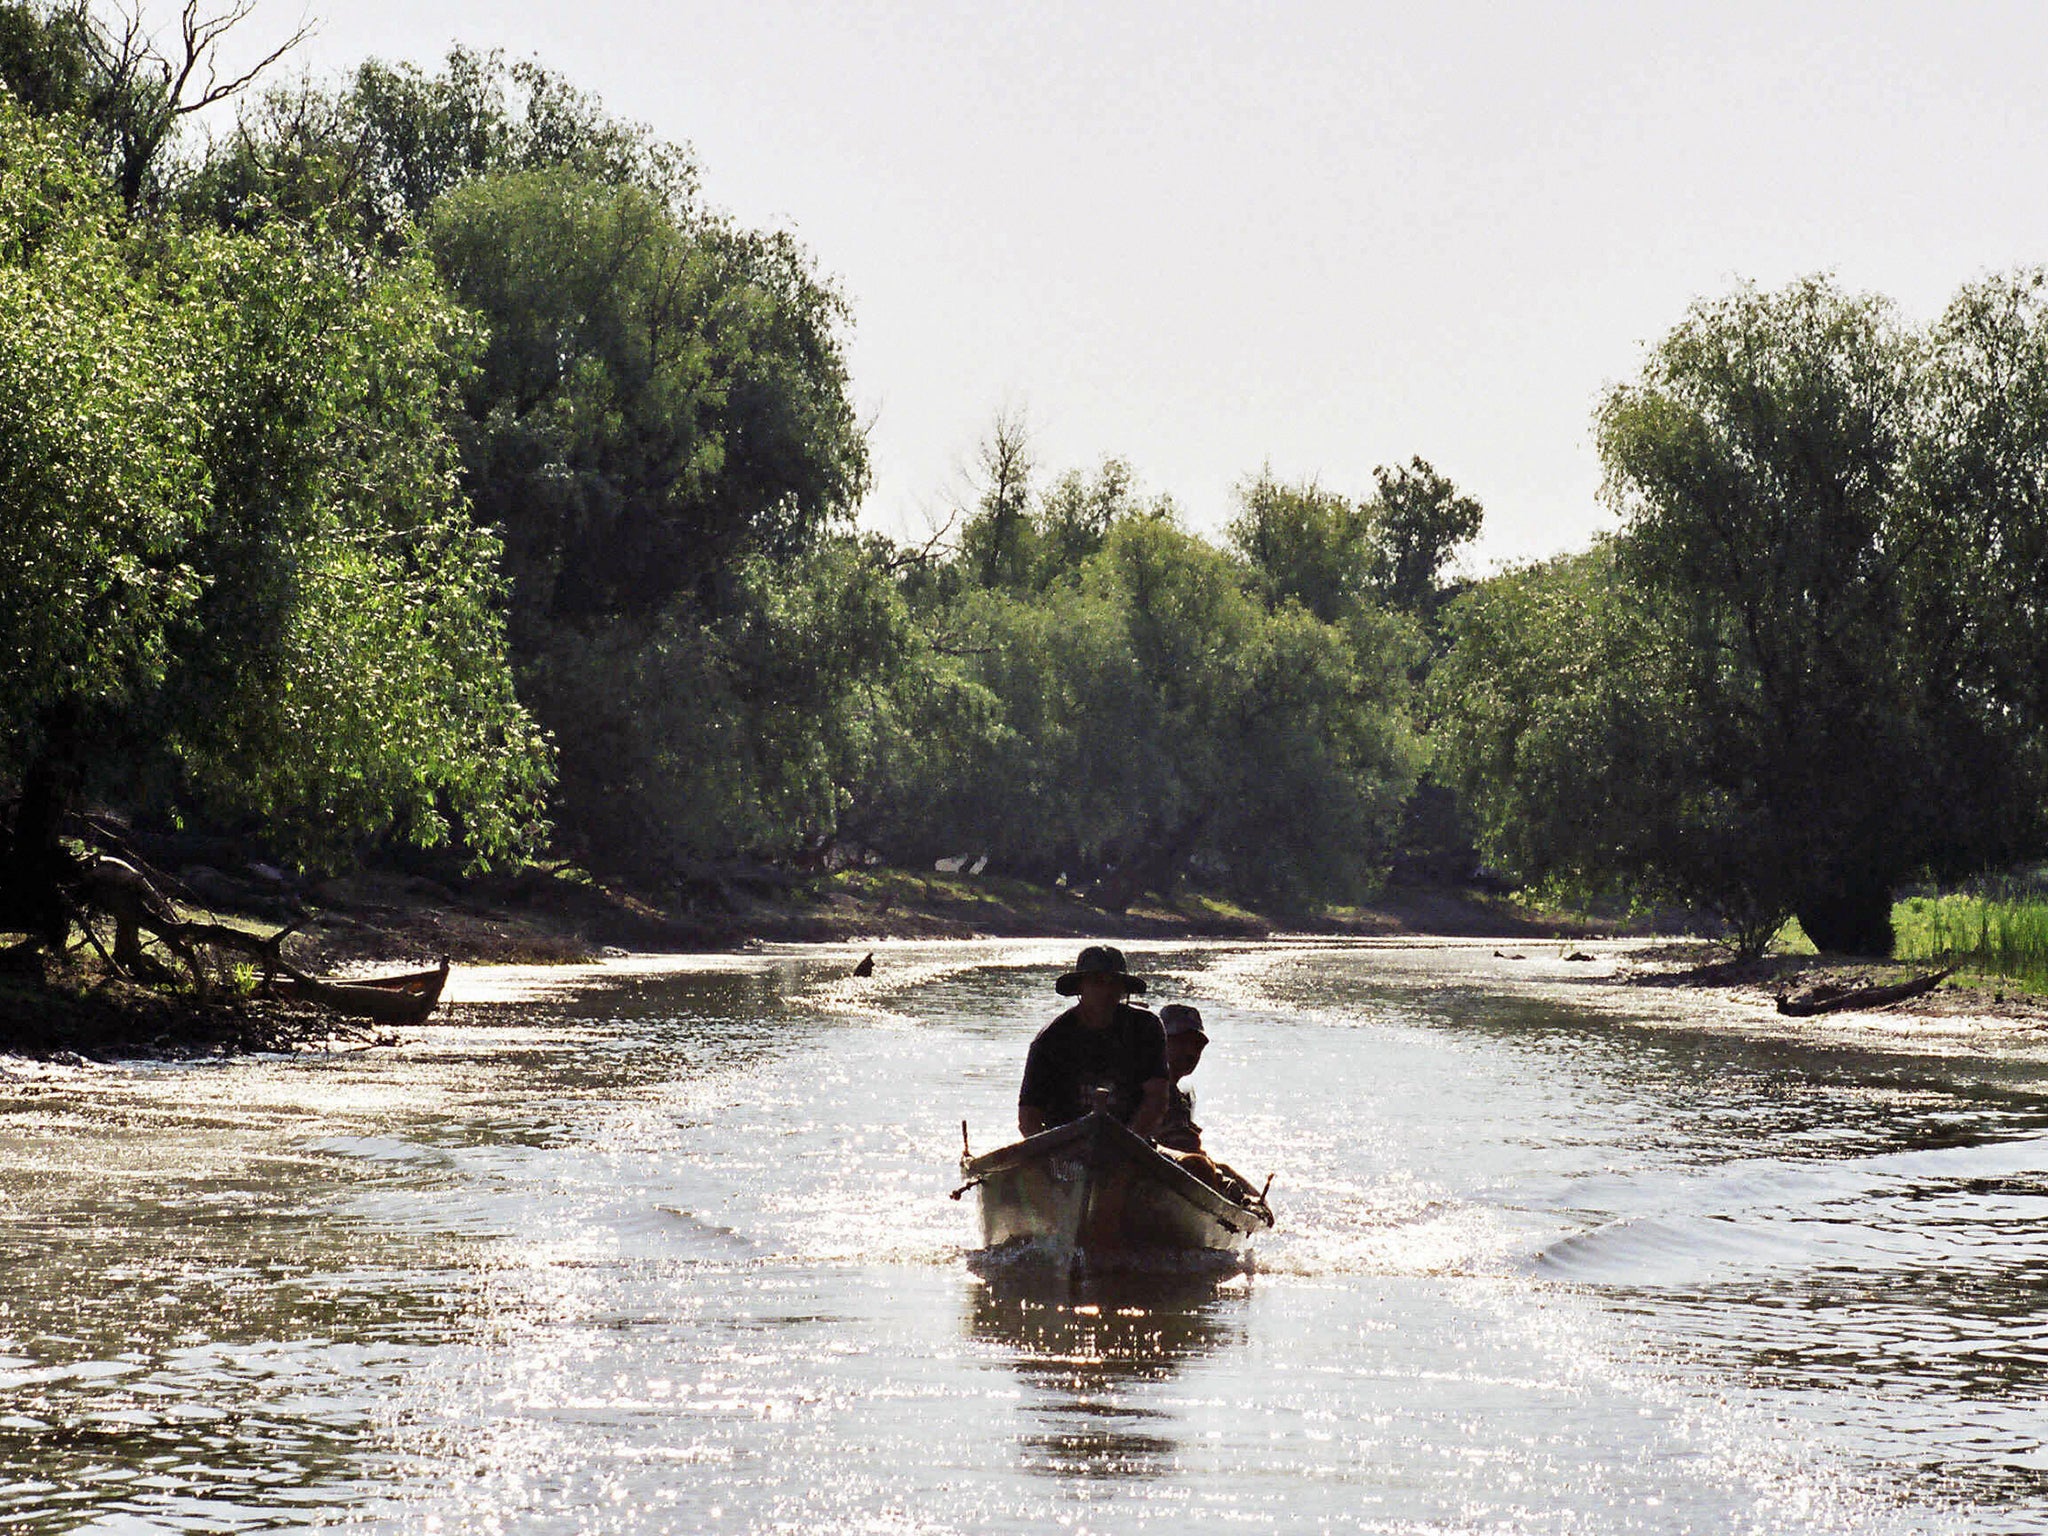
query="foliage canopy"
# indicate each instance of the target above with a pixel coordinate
(237, 564)
(1801, 667)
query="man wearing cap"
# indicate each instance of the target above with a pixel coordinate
(1100, 1042)
(1178, 1135)
(1185, 1040)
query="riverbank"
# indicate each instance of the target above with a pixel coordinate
(565, 917)
(79, 1009)
(375, 920)
(1698, 965)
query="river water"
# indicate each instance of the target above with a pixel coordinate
(667, 1247)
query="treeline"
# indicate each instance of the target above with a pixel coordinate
(424, 464)
(1092, 690)
(1812, 665)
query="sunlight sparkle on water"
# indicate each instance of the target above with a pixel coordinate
(665, 1246)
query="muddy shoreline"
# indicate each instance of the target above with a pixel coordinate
(1694, 964)
(386, 920)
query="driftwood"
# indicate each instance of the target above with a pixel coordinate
(1835, 999)
(137, 907)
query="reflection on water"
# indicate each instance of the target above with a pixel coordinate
(671, 1252)
(1082, 1344)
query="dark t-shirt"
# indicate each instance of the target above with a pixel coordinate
(1068, 1060)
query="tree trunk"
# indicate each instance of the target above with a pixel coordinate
(1848, 917)
(1153, 868)
(31, 890)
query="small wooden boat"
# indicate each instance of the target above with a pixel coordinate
(406, 998)
(1093, 1192)
(1834, 999)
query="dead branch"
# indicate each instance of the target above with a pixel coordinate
(188, 83)
(200, 35)
(922, 555)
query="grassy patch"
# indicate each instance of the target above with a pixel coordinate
(889, 887)
(1792, 940)
(1195, 904)
(1987, 936)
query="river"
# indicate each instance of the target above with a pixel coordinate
(667, 1246)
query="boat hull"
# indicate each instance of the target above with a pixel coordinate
(406, 999)
(1092, 1190)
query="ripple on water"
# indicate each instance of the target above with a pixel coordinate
(665, 1247)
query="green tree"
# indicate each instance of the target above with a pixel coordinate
(1795, 682)
(1762, 467)
(352, 607)
(1367, 567)
(1287, 739)
(1558, 714)
(1418, 521)
(234, 546)
(659, 428)
(383, 149)
(121, 94)
(1332, 554)
(1981, 460)
(102, 489)
(1076, 512)
(660, 423)
(1307, 546)
(999, 540)
(691, 738)
(1155, 717)
(654, 404)
(1021, 538)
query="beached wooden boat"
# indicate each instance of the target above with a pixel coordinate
(1835, 999)
(406, 998)
(1094, 1192)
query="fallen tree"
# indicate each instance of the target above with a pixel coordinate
(100, 890)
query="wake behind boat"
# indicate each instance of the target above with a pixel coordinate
(1095, 1193)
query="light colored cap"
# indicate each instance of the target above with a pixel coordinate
(1182, 1019)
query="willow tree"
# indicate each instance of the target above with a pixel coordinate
(1806, 669)
(661, 428)
(103, 487)
(235, 562)
(1559, 715)
(1147, 714)
(1768, 468)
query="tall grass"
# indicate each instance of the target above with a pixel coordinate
(1988, 935)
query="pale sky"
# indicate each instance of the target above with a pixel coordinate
(1210, 237)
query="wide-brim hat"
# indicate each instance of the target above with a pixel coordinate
(1098, 960)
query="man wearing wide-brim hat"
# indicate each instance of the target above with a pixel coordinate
(1100, 1042)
